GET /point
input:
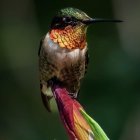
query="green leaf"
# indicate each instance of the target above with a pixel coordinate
(98, 132)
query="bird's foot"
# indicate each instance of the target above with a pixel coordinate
(73, 95)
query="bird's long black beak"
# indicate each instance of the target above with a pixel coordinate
(98, 20)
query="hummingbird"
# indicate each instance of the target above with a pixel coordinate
(63, 52)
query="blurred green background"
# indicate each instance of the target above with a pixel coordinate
(110, 92)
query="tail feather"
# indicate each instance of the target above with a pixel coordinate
(46, 101)
(46, 96)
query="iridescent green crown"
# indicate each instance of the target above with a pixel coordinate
(73, 12)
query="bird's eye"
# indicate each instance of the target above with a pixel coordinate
(67, 19)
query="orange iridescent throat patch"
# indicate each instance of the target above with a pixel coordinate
(70, 37)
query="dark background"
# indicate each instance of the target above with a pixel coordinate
(110, 92)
